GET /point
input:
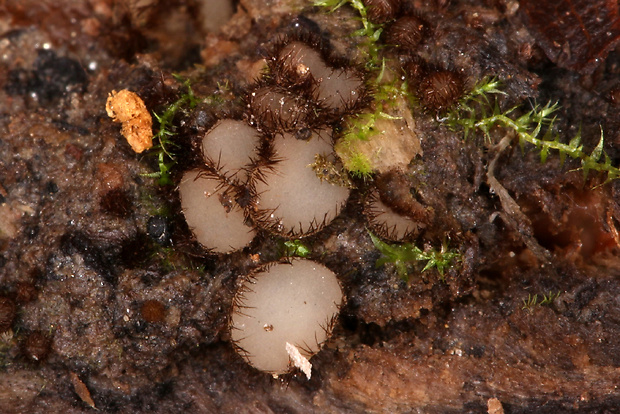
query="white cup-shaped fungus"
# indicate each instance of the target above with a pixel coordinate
(289, 197)
(303, 59)
(229, 147)
(213, 215)
(287, 303)
(336, 89)
(340, 89)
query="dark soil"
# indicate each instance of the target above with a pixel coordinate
(104, 293)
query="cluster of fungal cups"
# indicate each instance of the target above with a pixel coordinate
(269, 171)
(274, 170)
(260, 171)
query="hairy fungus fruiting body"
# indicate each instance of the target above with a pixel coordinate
(340, 89)
(229, 147)
(440, 89)
(395, 190)
(37, 346)
(212, 213)
(380, 11)
(276, 109)
(407, 32)
(263, 171)
(286, 303)
(297, 63)
(388, 223)
(392, 210)
(289, 198)
(332, 88)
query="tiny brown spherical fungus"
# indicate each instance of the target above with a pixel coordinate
(212, 213)
(283, 314)
(229, 147)
(440, 90)
(153, 311)
(37, 346)
(276, 109)
(406, 33)
(25, 292)
(289, 198)
(380, 11)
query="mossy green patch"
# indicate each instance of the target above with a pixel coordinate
(405, 254)
(476, 112)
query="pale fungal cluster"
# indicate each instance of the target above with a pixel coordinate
(271, 171)
(276, 170)
(209, 197)
(262, 173)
